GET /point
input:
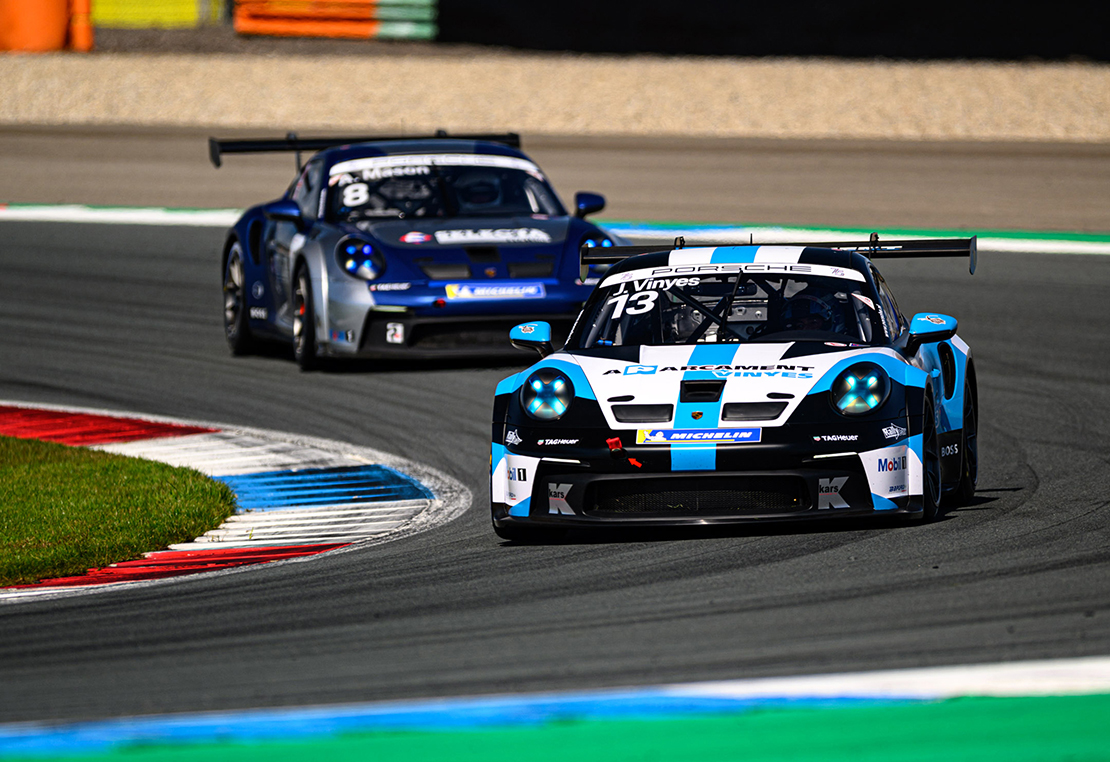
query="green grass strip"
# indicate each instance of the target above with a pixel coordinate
(1074, 728)
(64, 509)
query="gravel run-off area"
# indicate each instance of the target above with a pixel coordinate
(557, 94)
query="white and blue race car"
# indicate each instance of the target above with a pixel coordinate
(718, 384)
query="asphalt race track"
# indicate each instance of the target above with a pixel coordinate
(128, 318)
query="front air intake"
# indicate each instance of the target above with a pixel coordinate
(643, 413)
(752, 411)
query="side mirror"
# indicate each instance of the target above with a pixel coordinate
(535, 336)
(284, 211)
(927, 328)
(587, 203)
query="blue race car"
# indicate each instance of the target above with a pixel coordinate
(725, 383)
(414, 247)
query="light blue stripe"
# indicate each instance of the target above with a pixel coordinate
(521, 509)
(732, 255)
(700, 456)
(883, 504)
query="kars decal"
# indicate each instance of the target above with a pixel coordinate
(557, 499)
(828, 493)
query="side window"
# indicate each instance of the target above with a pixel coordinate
(892, 316)
(306, 192)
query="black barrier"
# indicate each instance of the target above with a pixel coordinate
(849, 28)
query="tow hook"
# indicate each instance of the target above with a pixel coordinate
(616, 449)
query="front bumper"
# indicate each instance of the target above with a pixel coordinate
(580, 482)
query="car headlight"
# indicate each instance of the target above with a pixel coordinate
(546, 394)
(861, 388)
(359, 259)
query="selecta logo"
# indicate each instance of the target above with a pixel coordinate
(892, 464)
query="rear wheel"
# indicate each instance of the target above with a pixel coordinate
(930, 464)
(969, 475)
(236, 327)
(304, 321)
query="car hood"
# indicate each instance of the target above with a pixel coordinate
(455, 232)
(751, 372)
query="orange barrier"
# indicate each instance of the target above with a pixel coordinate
(353, 19)
(33, 26)
(80, 26)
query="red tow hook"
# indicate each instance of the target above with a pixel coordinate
(617, 451)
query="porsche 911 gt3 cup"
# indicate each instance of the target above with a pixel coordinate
(416, 247)
(718, 384)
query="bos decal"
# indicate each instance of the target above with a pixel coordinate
(948, 450)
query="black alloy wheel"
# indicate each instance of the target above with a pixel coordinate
(236, 327)
(304, 321)
(969, 474)
(930, 464)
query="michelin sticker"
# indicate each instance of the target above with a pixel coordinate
(458, 291)
(668, 436)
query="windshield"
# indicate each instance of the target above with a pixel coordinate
(661, 306)
(438, 185)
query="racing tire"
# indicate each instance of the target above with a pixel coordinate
(304, 321)
(969, 474)
(930, 464)
(236, 325)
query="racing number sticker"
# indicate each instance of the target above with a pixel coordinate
(356, 194)
(395, 333)
(644, 301)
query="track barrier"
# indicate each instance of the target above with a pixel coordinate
(351, 19)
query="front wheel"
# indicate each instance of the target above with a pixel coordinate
(236, 328)
(930, 464)
(304, 321)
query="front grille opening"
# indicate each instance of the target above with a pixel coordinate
(440, 271)
(483, 255)
(752, 411)
(707, 497)
(643, 413)
(531, 269)
(701, 391)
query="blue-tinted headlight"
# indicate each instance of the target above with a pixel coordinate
(546, 394)
(359, 259)
(860, 389)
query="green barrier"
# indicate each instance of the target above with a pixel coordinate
(164, 14)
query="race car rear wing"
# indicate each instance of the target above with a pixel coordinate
(872, 249)
(293, 143)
